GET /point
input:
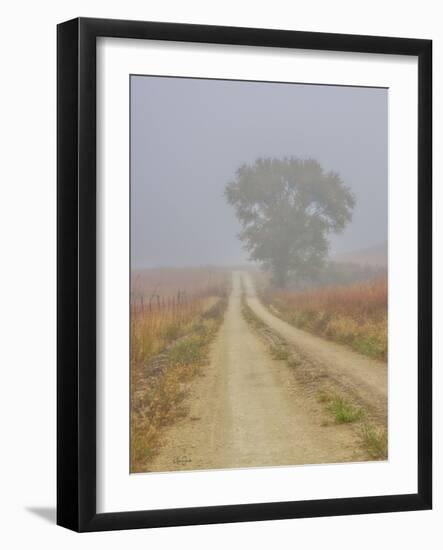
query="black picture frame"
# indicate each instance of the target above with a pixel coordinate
(76, 280)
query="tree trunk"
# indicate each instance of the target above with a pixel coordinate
(280, 277)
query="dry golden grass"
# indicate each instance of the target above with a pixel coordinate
(355, 315)
(152, 331)
(165, 304)
(170, 338)
(375, 440)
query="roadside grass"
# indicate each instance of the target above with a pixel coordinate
(375, 440)
(158, 386)
(279, 352)
(152, 332)
(191, 350)
(166, 304)
(343, 411)
(250, 316)
(278, 348)
(354, 315)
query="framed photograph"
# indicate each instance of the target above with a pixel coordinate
(244, 274)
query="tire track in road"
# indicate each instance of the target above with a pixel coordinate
(359, 375)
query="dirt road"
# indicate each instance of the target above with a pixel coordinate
(247, 409)
(366, 378)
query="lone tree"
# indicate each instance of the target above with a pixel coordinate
(287, 208)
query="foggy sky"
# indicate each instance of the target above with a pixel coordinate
(189, 136)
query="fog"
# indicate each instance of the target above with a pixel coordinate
(189, 136)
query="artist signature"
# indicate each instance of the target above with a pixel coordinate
(182, 460)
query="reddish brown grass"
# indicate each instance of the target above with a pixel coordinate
(355, 315)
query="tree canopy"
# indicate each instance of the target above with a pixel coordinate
(287, 208)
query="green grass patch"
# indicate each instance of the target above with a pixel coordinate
(193, 348)
(172, 332)
(187, 352)
(279, 352)
(343, 411)
(370, 346)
